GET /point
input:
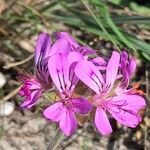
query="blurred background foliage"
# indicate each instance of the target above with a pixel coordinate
(124, 23)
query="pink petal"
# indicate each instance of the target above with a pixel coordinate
(99, 61)
(124, 117)
(42, 72)
(68, 123)
(32, 99)
(59, 71)
(128, 66)
(60, 46)
(80, 105)
(84, 50)
(128, 63)
(101, 121)
(68, 37)
(73, 58)
(53, 112)
(112, 70)
(90, 75)
(129, 102)
(132, 66)
(43, 45)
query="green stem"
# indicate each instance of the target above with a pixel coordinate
(100, 24)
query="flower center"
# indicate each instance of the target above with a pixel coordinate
(97, 101)
(68, 103)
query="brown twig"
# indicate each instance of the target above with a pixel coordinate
(10, 95)
(18, 63)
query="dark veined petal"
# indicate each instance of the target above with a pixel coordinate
(125, 109)
(73, 58)
(128, 102)
(42, 48)
(80, 105)
(112, 70)
(31, 99)
(59, 71)
(88, 73)
(31, 91)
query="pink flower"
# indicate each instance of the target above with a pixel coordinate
(31, 90)
(44, 49)
(34, 86)
(123, 107)
(127, 68)
(61, 68)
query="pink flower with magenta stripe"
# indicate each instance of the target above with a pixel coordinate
(124, 107)
(34, 86)
(63, 64)
(61, 68)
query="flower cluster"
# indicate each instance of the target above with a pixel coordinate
(66, 63)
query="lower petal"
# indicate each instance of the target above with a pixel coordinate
(80, 105)
(124, 117)
(129, 102)
(101, 121)
(53, 112)
(68, 123)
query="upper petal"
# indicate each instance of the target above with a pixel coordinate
(60, 46)
(68, 123)
(67, 37)
(59, 71)
(132, 66)
(84, 50)
(112, 70)
(73, 58)
(99, 61)
(127, 66)
(42, 47)
(101, 121)
(90, 75)
(42, 72)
